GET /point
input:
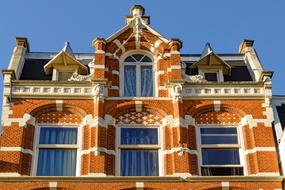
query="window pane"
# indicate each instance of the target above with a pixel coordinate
(130, 80)
(220, 139)
(130, 59)
(58, 135)
(139, 136)
(56, 162)
(219, 136)
(211, 77)
(218, 130)
(138, 57)
(220, 156)
(146, 59)
(139, 163)
(224, 171)
(146, 81)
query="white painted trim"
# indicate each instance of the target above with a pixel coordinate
(225, 185)
(140, 185)
(267, 174)
(10, 174)
(115, 72)
(99, 52)
(248, 119)
(95, 175)
(217, 105)
(99, 66)
(114, 88)
(177, 149)
(259, 149)
(16, 149)
(97, 150)
(53, 185)
(7, 121)
(119, 45)
(138, 105)
(174, 53)
(59, 105)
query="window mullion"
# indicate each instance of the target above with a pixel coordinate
(138, 79)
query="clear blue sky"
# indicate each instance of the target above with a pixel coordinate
(48, 24)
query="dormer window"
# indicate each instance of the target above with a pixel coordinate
(138, 76)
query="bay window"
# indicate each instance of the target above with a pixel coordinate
(220, 151)
(138, 76)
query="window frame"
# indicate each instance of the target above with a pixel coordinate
(157, 146)
(37, 146)
(219, 73)
(237, 146)
(138, 73)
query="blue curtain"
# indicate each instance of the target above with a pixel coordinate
(56, 162)
(220, 156)
(146, 81)
(130, 80)
(139, 136)
(57, 135)
(139, 163)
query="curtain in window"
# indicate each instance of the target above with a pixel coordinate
(223, 171)
(146, 81)
(56, 135)
(130, 80)
(139, 163)
(56, 162)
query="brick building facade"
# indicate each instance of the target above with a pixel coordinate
(137, 114)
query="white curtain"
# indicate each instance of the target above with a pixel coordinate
(130, 80)
(146, 81)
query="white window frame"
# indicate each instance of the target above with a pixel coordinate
(138, 72)
(219, 73)
(157, 147)
(37, 145)
(220, 146)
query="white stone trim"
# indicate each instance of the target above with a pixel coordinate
(6, 121)
(175, 52)
(100, 52)
(138, 105)
(174, 67)
(97, 150)
(59, 105)
(94, 122)
(114, 88)
(217, 105)
(182, 175)
(115, 72)
(169, 120)
(99, 66)
(119, 45)
(53, 185)
(9, 174)
(140, 185)
(95, 175)
(225, 185)
(156, 44)
(267, 174)
(177, 149)
(160, 72)
(259, 149)
(16, 149)
(248, 119)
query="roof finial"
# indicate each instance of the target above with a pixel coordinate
(67, 49)
(207, 49)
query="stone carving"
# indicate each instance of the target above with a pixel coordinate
(78, 77)
(177, 92)
(98, 92)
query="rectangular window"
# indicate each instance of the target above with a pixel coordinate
(211, 77)
(57, 151)
(220, 151)
(146, 81)
(130, 80)
(139, 152)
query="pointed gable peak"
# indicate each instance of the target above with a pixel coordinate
(67, 49)
(207, 50)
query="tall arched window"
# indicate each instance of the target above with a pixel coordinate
(138, 76)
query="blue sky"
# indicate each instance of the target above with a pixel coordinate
(48, 24)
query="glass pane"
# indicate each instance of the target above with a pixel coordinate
(58, 135)
(211, 77)
(137, 57)
(130, 80)
(139, 136)
(146, 81)
(220, 156)
(222, 171)
(146, 59)
(139, 163)
(56, 162)
(130, 59)
(220, 139)
(218, 130)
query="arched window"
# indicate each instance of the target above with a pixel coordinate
(138, 76)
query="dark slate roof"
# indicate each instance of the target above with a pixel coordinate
(34, 70)
(281, 114)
